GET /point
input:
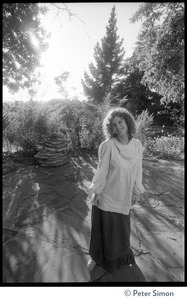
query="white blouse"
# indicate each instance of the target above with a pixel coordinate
(118, 175)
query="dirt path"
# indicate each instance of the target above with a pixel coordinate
(46, 224)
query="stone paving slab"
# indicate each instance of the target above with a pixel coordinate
(169, 248)
(149, 220)
(152, 269)
(35, 257)
(47, 222)
(177, 273)
(158, 222)
(45, 234)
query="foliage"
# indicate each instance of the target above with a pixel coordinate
(77, 119)
(9, 123)
(33, 84)
(160, 48)
(143, 126)
(176, 112)
(21, 27)
(93, 134)
(135, 96)
(71, 116)
(169, 146)
(5, 124)
(60, 80)
(104, 75)
(34, 123)
(28, 125)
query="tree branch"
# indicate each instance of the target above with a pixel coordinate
(69, 12)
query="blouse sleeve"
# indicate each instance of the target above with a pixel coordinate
(138, 187)
(99, 179)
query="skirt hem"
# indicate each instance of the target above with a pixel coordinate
(111, 265)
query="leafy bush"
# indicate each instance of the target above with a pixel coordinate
(82, 122)
(166, 146)
(34, 126)
(143, 126)
(91, 134)
(9, 131)
(27, 126)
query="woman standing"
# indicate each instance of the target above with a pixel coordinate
(118, 176)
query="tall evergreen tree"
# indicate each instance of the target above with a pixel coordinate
(105, 74)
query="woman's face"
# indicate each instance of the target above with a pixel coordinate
(119, 126)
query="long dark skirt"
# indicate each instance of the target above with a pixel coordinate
(110, 240)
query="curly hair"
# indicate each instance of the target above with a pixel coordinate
(121, 113)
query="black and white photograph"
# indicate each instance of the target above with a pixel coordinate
(93, 133)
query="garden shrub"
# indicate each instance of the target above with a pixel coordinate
(10, 131)
(29, 124)
(91, 134)
(143, 126)
(169, 146)
(33, 126)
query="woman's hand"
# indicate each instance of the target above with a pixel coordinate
(95, 198)
(139, 197)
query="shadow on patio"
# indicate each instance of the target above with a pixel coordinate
(46, 220)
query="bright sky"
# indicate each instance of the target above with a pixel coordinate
(73, 40)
